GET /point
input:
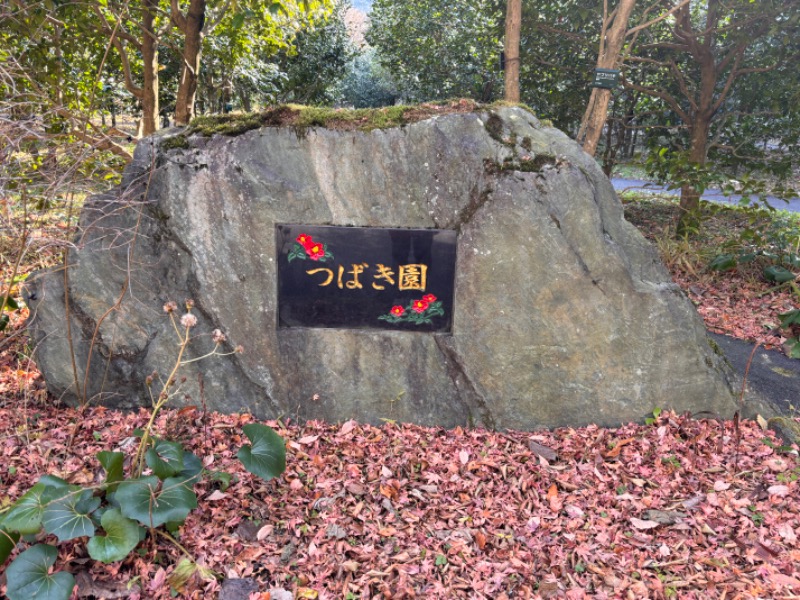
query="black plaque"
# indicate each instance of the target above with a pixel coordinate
(607, 79)
(365, 277)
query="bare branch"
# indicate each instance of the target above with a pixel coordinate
(647, 24)
(682, 85)
(666, 97)
(137, 91)
(728, 83)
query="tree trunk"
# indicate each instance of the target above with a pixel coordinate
(150, 68)
(594, 119)
(192, 46)
(613, 38)
(513, 27)
(690, 196)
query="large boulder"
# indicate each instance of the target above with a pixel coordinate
(563, 313)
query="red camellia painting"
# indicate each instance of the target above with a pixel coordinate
(306, 247)
(304, 240)
(419, 306)
(315, 251)
(417, 312)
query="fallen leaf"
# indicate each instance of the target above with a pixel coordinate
(778, 490)
(574, 511)
(388, 491)
(216, 495)
(480, 539)
(547, 453)
(158, 580)
(552, 492)
(640, 524)
(308, 440)
(777, 464)
(356, 489)
(350, 566)
(664, 517)
(614, 452)
(786, 531)
(781, 579)
(264, 532)
(347, 427)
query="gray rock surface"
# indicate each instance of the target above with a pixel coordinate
(237, 589)
(563, 313)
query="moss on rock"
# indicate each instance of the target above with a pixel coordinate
(358, 119)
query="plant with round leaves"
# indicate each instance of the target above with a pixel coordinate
(29, 576)
(267, 455)
(115, 515)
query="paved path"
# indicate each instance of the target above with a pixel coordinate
(772, 373)
(620, 185)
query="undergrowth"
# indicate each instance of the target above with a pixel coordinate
(756, 251)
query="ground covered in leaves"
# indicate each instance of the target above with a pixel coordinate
(738, 302)
(676, 508)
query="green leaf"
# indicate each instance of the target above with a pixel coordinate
(25, 515)
(68, 516)
(238, 20)
(11, 304)
(192, 469)
(267, 456)
(778, 274)
(223, 478)
(723, 262)
(122, 536)
(141, 499)
(8, 541)
(277, 7)
(112, 462)
(790, 318)
(166, 459)
(749, 257)
(28, 576)
(182, 574)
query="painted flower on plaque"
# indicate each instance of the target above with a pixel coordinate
(418, 311)
(305, 247)
(419, 306)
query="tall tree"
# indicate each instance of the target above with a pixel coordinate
(134, 33)
(612, 38)
(511, 46)
(694, 63)
(248, 24)
(191, 25)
